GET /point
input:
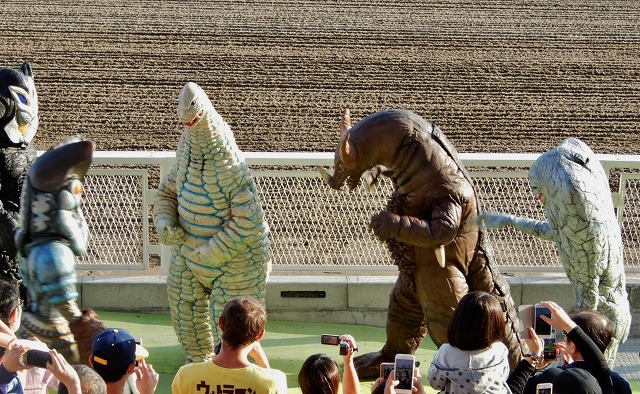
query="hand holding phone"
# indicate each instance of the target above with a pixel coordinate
(541, 327)
(385, 369)
(36, 358)
(404, 367)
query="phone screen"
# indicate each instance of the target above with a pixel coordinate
(544, 390)
(327, 339)
(404, 373)
(541, 327)
(549, 352)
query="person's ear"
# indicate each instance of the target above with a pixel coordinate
(260, 335)
(131, 368)
(14, 317)
(91, 361)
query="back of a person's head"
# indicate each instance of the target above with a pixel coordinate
(242, 321)
(90, 381)
(319, 375)
(575, 381)
(595, 325)
(112, 353)
(9, 300)
(477, 322)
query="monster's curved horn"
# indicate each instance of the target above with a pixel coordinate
(54, 166)
(345, 124)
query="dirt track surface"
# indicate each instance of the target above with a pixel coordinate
(497, 76)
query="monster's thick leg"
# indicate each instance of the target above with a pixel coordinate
(240, 278)
(439, 290)
(189, 305)
(405, 330)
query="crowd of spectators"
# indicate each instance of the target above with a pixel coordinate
(473, 361)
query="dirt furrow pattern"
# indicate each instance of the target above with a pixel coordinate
(497, 76)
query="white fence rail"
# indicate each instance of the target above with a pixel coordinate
(316, 228)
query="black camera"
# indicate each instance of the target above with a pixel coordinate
(327, 339)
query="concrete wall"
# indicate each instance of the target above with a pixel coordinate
(331, 299)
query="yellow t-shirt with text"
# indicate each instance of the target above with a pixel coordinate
(208, 378)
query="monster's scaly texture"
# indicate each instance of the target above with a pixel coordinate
(208, 208)
(53, 231)
(429, 225)
(582, 221)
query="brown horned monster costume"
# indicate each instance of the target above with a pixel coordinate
(430, 226)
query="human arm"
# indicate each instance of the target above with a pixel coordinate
(147, 378)
(350, 382)
(64, 372)
(259, 356)
(588, 349)
(6, 335)
(527, 367)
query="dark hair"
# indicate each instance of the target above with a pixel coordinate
(242, 321)
(112, 373)
(477, 322)
(90, 381)
(595, 325)
(9, 299)
(319, 375)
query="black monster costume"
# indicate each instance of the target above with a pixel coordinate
(19, 123)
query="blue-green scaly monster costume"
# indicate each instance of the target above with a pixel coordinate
(208, 209)
(574, 189)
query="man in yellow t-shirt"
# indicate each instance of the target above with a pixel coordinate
(242, 323)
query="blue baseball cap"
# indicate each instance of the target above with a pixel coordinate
(116, 347)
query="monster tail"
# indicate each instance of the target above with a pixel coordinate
(493, 282)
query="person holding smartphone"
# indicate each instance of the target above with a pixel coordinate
(475, 360)
(320, 373)
(592, 376)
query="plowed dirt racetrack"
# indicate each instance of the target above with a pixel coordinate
(497, 76)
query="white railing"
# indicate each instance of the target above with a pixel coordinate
(316, 228)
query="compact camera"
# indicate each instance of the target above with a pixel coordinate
(327, 339)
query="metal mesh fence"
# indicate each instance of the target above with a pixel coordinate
(317, 228)
(312, 224)
(113, 208)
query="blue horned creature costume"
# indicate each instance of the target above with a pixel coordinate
(19, 122)
(53, 231)
(574, 190)
(208, 209)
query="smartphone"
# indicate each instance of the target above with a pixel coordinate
(36, 358)
(544, 388)
(404, 372)
(385, 369)
(549, 351)
(327, 339)
(542, 328)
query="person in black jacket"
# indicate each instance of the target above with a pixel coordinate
(599, 329)
(578, 342)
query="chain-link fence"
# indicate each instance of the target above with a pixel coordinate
(314, 227)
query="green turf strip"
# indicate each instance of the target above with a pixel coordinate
(287, 345)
